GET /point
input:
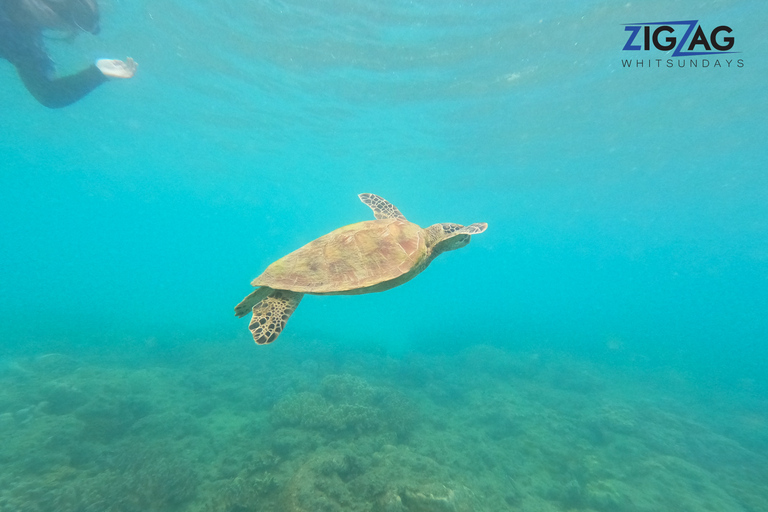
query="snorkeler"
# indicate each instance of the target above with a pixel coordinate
(21, 43)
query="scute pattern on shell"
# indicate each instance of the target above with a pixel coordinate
(354, 256)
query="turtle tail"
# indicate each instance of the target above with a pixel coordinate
(251, 300)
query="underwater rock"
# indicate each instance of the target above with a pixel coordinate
(620, 419)
(609, 495)
(167, 425)
(244, 492)
(243, 481)
(425, 498)
(436, 498)
(406, 481)
(7, 421)
(62, 398)
(54, 364)
(577, 380)
(320, 485)
(11, 368)
(27, 414)
(610, 422)
(390, 501)
(490, 361)
(8, 404)
(501, 419)
(285, 441)
(107, 419)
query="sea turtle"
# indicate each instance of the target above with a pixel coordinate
(365, 257)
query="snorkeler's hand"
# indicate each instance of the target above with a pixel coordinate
(114, 68)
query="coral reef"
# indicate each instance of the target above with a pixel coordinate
(313, 430)
(390, 480)
(347, 404)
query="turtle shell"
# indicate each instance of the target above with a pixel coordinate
(352, 257)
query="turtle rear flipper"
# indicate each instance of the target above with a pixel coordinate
(271, 314)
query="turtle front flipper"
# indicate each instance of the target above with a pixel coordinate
(457, 229)
(271, 314)
(382, 209)
(449, 237)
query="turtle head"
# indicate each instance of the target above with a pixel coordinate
(449, 237)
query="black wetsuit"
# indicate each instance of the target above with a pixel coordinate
(23, 47)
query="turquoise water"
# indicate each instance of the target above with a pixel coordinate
(602, 346)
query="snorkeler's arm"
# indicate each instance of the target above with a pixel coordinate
(60, 92)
